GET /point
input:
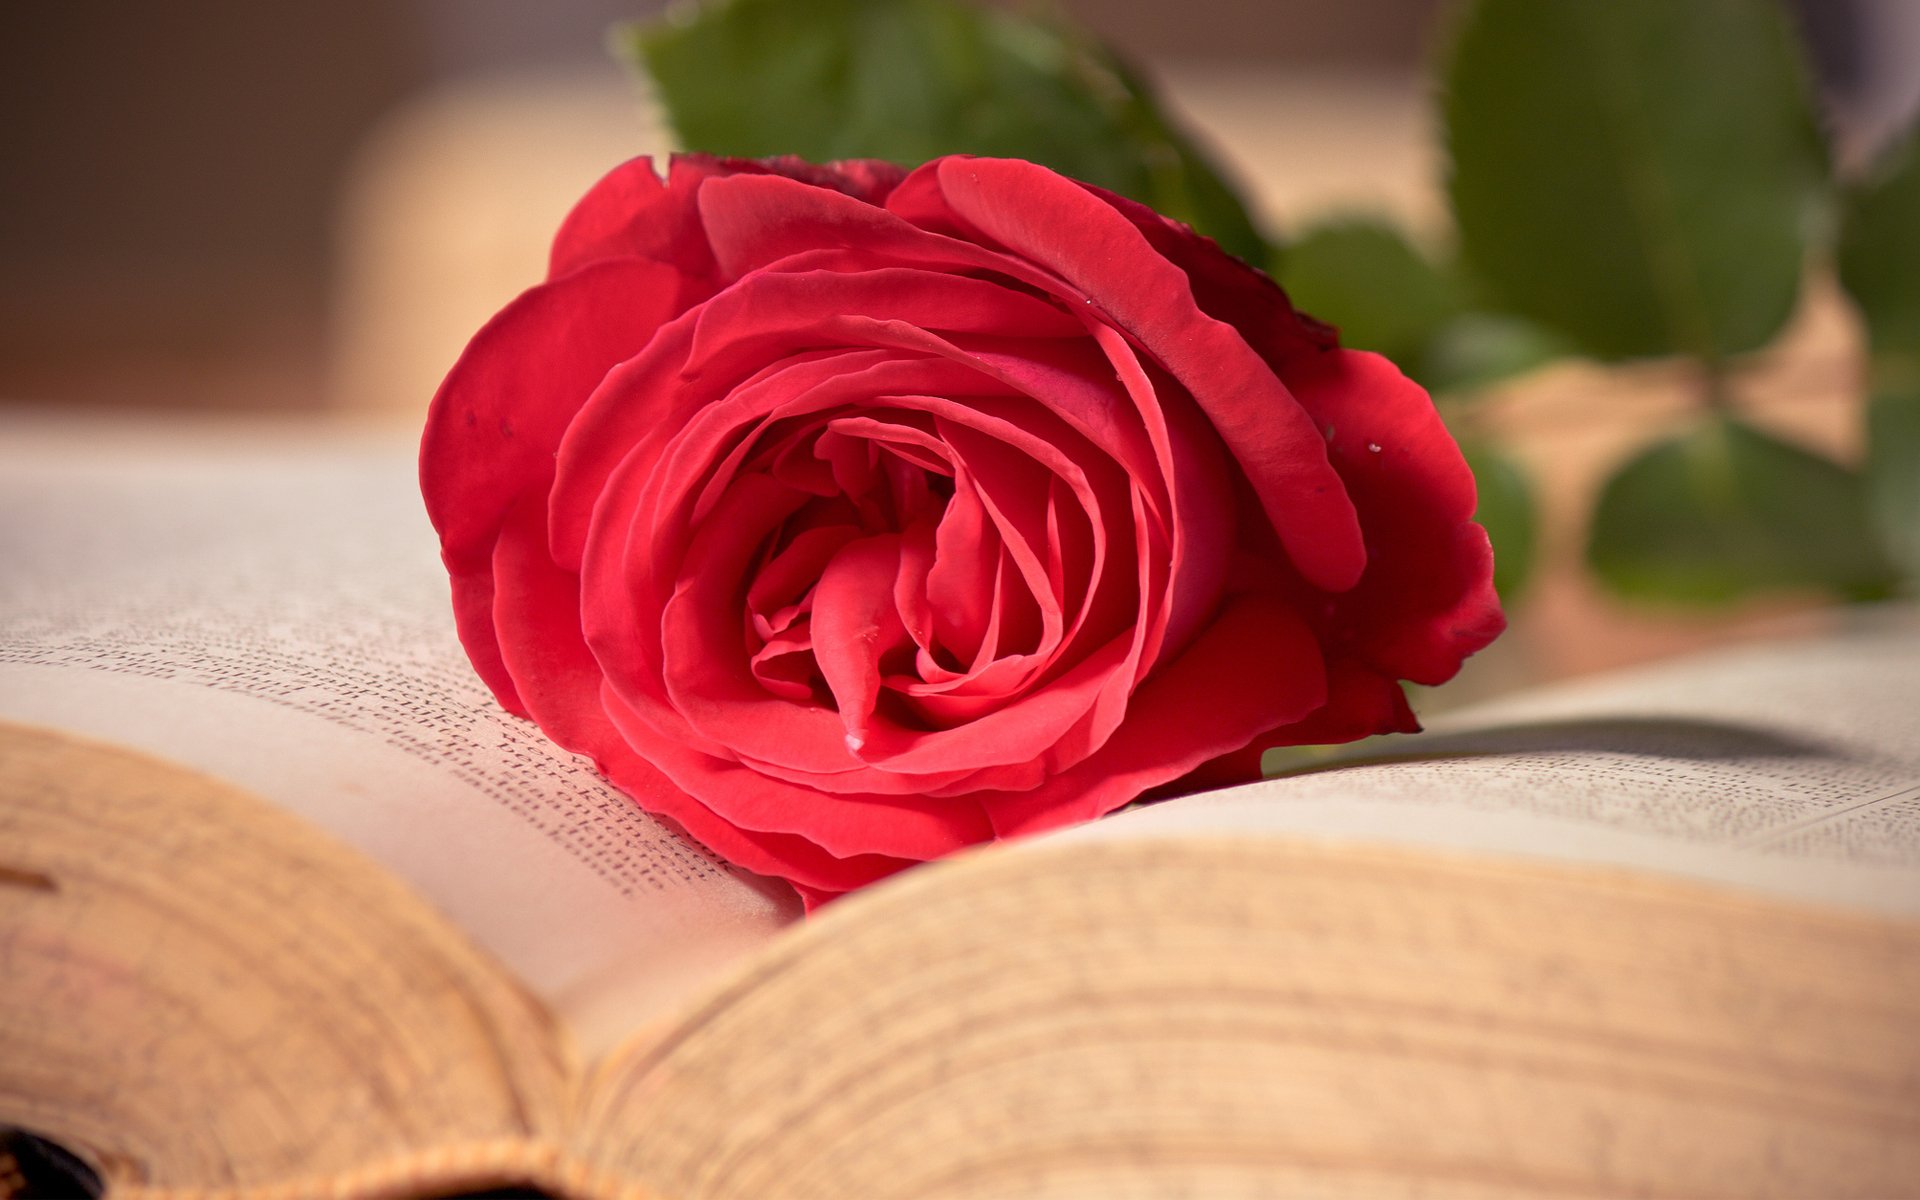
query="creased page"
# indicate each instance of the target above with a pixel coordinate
(271, 610)
(1792, 768)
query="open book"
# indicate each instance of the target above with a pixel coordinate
(287, 906)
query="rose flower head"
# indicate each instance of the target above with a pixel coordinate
(847, 517)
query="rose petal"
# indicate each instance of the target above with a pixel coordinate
(1013, 492)
(797, 567)
(1427, 598)
(849, 826)
(771, 312)
(690, 682)
(1226, 288)
(1258, 665)
(611, 426)
(632, 212)
(1361, 702)
(784, 664)
(621, 217)
(857, 622)
(752, 222)
(539, 620)
(701, 659)
(1061, 226)
(503, 409)
(1202, 522)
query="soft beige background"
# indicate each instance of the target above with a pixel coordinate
(172, 175)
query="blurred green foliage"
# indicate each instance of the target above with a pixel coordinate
(910, 80)
(1628, 179)
(1506, 511)
(1879, 260)
(1363, 276)
(1724, 510)
(1640, 175)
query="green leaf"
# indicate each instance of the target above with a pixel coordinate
(1638, 174)
(1477, 350)
(1726, 511)
(1893, 474)
(910, 80)
(1361, 276)
(1879, 251)
(1879, 260)
(1507, 512)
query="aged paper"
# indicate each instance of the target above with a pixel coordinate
(1793, 768)
(272, 611)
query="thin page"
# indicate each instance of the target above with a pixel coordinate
(1790, 768)
(271, 610)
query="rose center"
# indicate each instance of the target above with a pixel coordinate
(921, 577)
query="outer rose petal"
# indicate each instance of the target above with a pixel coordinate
(1360, 703)
(542, 648)
(1063, 226)
(619, 217)
(631, 212)
(497, 420)
(1226, 288)
(1257, 666)
(1426, 601)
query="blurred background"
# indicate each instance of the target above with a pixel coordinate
(203, 198)
(219, 203)
(309, 205)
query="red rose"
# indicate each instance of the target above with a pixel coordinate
(848, 518)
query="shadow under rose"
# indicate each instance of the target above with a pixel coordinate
(1650, 737)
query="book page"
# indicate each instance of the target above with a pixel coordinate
(271, 609)
(1792, 768)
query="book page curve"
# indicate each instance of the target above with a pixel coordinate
(206, 996)
(1257, 1016)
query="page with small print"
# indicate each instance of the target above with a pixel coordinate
(1793, 768)
(271, 610)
